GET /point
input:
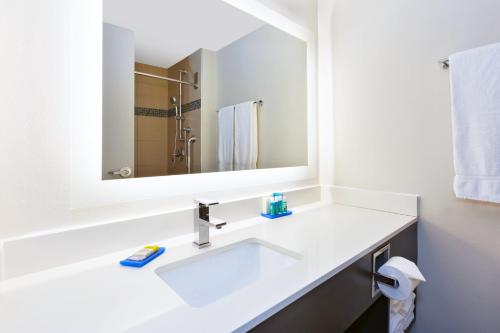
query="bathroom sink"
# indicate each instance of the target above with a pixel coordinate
(205, 278)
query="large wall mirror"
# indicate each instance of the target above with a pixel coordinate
(189, 92)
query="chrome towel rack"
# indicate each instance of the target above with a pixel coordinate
(260, 102)
(445, 63)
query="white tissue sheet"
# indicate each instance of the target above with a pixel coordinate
(403, 307)
(398, 322)
(407, 274)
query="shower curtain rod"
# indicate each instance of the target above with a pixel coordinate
(167, 79)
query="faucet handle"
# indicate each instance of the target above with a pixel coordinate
(205, 202)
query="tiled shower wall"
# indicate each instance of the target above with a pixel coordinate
(191, 101)
(151, 122)
(155, 118)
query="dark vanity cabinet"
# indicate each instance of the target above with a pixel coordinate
(344, 303)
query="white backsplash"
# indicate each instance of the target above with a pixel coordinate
(41, 251)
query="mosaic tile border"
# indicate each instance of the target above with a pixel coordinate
(161, 113)
(191, 106)
(151, 112)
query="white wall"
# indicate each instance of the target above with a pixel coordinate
(34, 104)
(393, 133)
(118, 86)
(208, 114)
(270, 65)
(325, 121)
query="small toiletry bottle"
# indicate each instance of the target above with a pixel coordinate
(284, 205)
(276, 204)
(270, 205)
(279, 203)
(264, 205)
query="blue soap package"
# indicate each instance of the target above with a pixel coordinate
(140, 263)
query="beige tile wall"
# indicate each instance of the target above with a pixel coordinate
(151, 133)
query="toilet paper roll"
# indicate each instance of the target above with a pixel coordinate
(407, 274)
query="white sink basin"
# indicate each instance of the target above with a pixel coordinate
(208, 277)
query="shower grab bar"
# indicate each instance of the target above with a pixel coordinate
(189, 143)
(167, 79)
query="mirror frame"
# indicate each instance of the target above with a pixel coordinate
(87, 187)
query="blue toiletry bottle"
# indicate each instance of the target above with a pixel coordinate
(278, 203)
(284, 205)
(272, 206)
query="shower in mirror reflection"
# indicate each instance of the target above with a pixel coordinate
(176, 82)
(171, 91)
(176, 154)
(182, 133)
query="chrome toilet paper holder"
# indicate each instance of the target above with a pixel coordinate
(379, 258)
(387, 280)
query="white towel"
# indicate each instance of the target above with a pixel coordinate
(398, 323)
(225, 138)
(475, 82)
(402, 307)
(246, 146)
(409, 317)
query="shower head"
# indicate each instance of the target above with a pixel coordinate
(173, 100)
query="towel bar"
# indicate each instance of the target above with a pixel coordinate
(445, 63)
(260, 102)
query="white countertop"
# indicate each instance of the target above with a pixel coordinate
(99, 295)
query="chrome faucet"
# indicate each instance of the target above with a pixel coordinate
(203, 221)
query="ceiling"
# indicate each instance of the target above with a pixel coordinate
(303, 12)
(166, 31)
